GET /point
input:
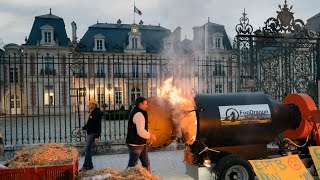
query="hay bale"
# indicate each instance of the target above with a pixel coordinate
(44, 155)
(138, 173)
(132, 173)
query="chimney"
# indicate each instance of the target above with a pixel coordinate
(74, 32)
(119, 23)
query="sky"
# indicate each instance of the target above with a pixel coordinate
(17, 16)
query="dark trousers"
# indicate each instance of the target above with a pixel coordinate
(136, 153)
(87, 151)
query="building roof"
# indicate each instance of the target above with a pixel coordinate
(116, 36)
(315, 16)
(56, 22)
(313, 23)
(198, 39)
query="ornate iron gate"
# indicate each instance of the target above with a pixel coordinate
(279, 59)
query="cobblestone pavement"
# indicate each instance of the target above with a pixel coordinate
(168, 165)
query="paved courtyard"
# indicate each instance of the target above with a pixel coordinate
(168, 165)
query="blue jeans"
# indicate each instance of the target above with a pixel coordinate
(136, 153)
(87, 151)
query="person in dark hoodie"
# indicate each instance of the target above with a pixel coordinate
(138, 136)
(93, 128)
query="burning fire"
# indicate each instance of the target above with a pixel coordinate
(168, 91)
(183, 116)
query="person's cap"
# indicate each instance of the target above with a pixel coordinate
(93, 101)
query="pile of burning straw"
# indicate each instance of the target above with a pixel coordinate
(132, 173)
(43, 155)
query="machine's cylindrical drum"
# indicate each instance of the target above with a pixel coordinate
(240, 119)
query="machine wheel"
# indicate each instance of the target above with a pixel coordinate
(231, 167)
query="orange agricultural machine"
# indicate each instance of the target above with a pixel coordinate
(224, 131)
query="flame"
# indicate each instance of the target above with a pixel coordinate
(183, 115)
(170, 92)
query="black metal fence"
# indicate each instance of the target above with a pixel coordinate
(280, 67)
(43, 97)
(280, 58)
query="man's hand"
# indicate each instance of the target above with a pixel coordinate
(97, 141)
(151, 140)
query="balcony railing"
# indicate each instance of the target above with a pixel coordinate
(218, 73)
(48, 72)
(100, 75)
(118, 75)
(80, 75)
(151, 75)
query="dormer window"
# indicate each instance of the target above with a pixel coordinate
(47, 37)
(135, 45)
(217, 41)
(99, 43)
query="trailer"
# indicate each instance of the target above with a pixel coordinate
(222, 132)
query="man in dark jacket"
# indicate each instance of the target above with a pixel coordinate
(138, 135)
(93, 128)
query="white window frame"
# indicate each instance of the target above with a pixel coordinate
(152, 91)
(118, 69)
(118, 95)
(15, 101)
(218, 88)
(49, 95)
(13, 75)
(152, 70)
(48, 64)
(101, 95)
(218, 70)
(135, 70)
(134, 43)
(217, 41)
(99, 43)
(101, 99)
(99, 68)
(135, 93)
(47, 35)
